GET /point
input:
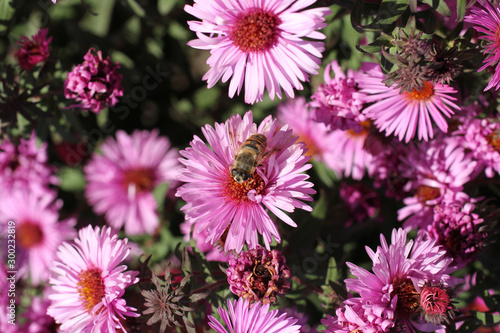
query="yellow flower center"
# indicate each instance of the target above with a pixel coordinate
(91, 288)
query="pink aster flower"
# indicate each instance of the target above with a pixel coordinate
(212, 252)
(33, 51)
(436, 172)
(24, 166)
(482, 138)
(389, 296)
(36, 319)
(362, 203)
(338, 102)
(38, 231)
(221, 205)
(259, 275)
(318, 139)
(259, 43)
(95, 83)
(486, 21)
(349, 154)
(459, 230)
(121, 180)
(88, 283)
(243, 318)
(406, 113)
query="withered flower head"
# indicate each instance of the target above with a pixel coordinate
(436, 304)
(444, 64)
(258, 275)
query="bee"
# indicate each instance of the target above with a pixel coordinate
(248, 157)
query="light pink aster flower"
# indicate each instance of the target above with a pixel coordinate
(259, 43)
(38, 231)
(486, 20)
(217, 202)
(348, 155)
(405, 114)
(95, 83)
(241, 318)
(338, 102)
(436, 172)
(318, 138)
(121, 180)
(389, 296)
(88, 283)
(33, 51)
(24, 166)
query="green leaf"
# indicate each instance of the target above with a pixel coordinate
(488, 318)
(98, 24)
(72, 179)
(332, 273)
(320, 208)
(326, 175)
(461, 7)
(159, 193)
(136, 8)
(165, 6)
(6, 13)
(470, 326)
(440, 6)
(377, 45)
(102, 117)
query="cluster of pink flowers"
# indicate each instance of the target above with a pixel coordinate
(33, 51)
(95, 83)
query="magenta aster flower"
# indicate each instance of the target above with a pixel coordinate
(259, 43)
(33, 51)
(459, 230)
(258, 275)
(38, 230)
(486, 20)
(221, 205)
(482, 138)
(95, 83)
(362, 203)
(406, 113)
(390, 296)
(24, 166)
(121, 180)
(338, 102)
(88, 283)
(436, 172)
(243, 318)
(318, 138)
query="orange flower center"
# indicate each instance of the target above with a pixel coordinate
(239, 192)
(142, 178)
(29, 234)
(494, 140)
(90, 288)
(363, 133)
(424, 94)
(312, 148)
(425, 193)
(255, 31)
(408, 297)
